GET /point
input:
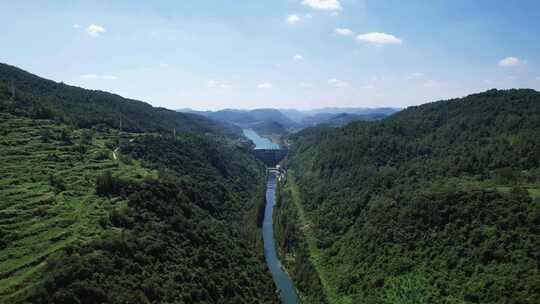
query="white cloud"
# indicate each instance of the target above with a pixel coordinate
(334, 14)
(510, 61)
(298, 57)
(378, 38)
(95, 76)
(265, 85)
(326, 5)
(344, 32)
(415, 75)
(89, 76)
(95, 30)
(432, 83)
(338, 83)
(76, 26)
(305, 85)
(218, 84)
(292, 19)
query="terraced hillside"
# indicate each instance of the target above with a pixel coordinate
(92, 214)
(47, 189)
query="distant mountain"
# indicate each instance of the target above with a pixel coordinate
(273, 115)
(317, 114)
(231, 116)
(345, 118)
(264, 121)
(267, 127)
(338, 120)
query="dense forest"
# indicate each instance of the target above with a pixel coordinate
(93, 214)
(439, 203)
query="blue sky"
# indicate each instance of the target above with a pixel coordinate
(302, 54)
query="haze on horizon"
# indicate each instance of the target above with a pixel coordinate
(301, 54)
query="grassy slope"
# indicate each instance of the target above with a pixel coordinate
(316, 256)
(35, 218)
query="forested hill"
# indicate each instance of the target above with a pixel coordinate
(43, 98)
(439, 203)
(91, 214)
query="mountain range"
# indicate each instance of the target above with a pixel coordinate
(284, 121)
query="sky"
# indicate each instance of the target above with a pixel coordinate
(303, 54)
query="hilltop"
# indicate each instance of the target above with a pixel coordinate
(42, 98)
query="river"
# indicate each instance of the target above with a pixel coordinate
(283, 283)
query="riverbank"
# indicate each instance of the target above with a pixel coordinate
(315, 256)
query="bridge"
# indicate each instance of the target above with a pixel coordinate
(270, 157)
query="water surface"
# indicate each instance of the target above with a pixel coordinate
(284, 284)
(260, 142)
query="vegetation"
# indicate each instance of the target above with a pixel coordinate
(47, 192)
(45, 99)
(436, 204)
(297, 246)
(99, 215)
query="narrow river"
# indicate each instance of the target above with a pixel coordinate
(284, 284)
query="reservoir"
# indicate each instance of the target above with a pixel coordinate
(260, 142)
(284, 284)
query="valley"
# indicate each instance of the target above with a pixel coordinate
(435, 203)
(270, 152)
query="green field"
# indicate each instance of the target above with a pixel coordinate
(47, 196)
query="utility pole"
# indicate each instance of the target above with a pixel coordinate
(120, 121)
(120, 132)
(12, 90)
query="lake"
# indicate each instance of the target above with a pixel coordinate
(259, 141)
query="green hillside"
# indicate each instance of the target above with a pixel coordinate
(439, 203)
(43, 98)
(91, 214)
